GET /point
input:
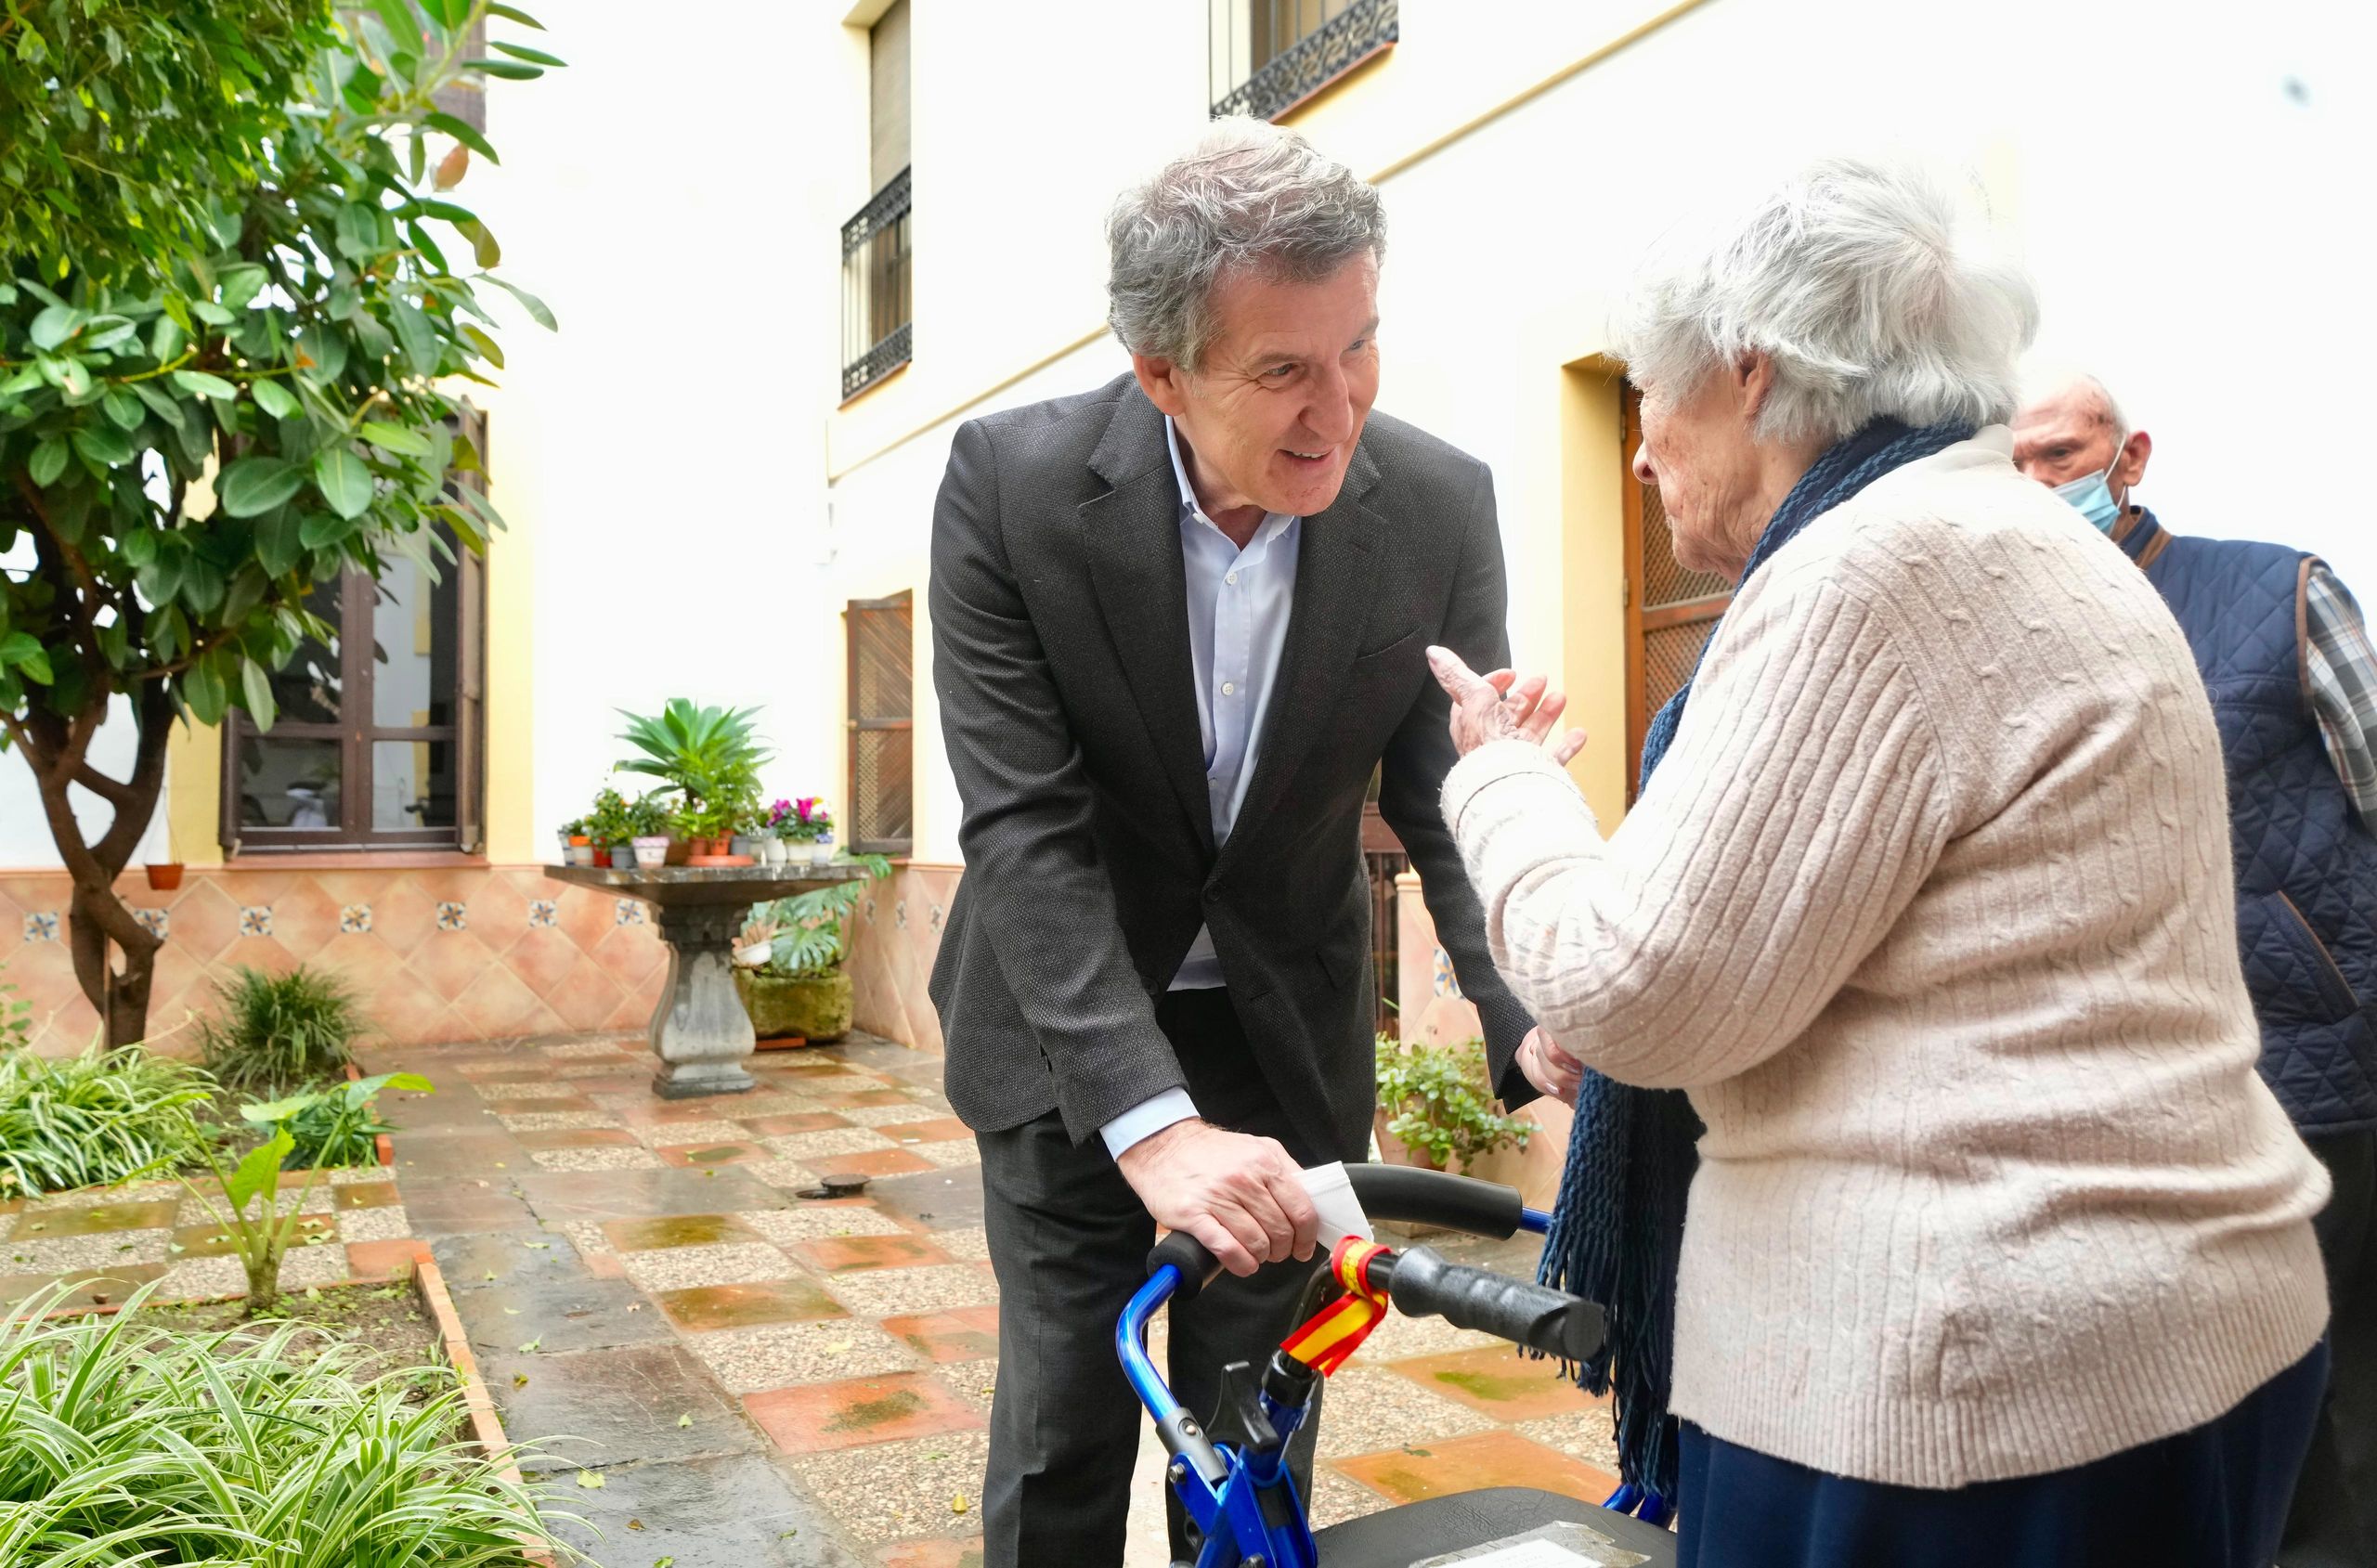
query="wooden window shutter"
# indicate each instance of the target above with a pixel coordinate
(1670, 611)
(470, 700)
(881, 635)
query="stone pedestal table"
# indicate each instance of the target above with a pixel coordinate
(700, 1032)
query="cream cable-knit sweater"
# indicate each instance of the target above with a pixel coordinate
(1929, 908)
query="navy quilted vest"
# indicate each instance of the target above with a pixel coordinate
(2307, 869)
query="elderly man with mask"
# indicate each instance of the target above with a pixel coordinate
(2294, 686)
(1178, 623)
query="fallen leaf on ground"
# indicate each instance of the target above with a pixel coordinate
(685, 1420)
(519, 1380)
(531, 1348)
(589, 1478)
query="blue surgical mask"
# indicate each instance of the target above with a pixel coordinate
(2092, 497)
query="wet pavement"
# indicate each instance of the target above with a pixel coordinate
(722, 1372)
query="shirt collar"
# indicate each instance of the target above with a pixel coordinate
(1273, 522)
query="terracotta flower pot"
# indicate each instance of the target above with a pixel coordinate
(165, 875)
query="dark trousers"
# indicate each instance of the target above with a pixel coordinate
(2213, 1498)
(1069, 1240)
(2333, 1522)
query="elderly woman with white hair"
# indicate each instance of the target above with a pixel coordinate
(1996, 1249)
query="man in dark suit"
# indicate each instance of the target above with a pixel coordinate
(1178, 622)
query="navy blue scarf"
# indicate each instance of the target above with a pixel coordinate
(1618, 1228)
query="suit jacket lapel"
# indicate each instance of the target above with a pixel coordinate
(1132, 536)
(1336, 558)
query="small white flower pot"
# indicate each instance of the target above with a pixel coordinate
(651, 852)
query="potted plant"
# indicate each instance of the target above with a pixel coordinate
(1435, 1109)
(165, 875)
(709, 759)
(578, 848)
(806, 828)
(648, 825)
(611, 825)
(802, 988)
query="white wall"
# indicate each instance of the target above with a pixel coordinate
(2182, 193)
(25, 842)
(675, 195)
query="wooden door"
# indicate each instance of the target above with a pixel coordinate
(1670, 611)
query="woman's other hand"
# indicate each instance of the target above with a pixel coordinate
(1550, 1069)
(1501, 706)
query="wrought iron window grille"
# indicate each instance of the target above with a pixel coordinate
(1313, 62)
(877, 301)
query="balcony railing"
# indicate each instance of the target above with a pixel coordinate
(877, 303)
(1267, 55)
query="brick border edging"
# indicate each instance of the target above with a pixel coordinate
(487, 1427)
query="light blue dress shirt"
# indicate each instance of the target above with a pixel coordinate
(1239, 605)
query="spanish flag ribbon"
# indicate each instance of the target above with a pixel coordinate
(1332, 1335)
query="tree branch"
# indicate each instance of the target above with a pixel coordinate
(59, 555)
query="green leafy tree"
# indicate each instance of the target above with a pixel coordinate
(118, 118)
(195, 431)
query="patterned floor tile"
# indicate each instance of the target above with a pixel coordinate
(892, 1407)
(893, 1293)
(890, 1115)
(750, 1360)
(374, 1225)
(873, 1162)
(66, 1254)
(702, 1156)
(708, 1307)
(888, 1491)
(1364, 1404)
(556, 1120)
(684, 1268)
(598, 1160)
(844, 1253)
(812, 1222)
(1498, 1381)
(1586, 1435)
(807, 1146)
(1499, 1457)
(676, 1230)
(965, 1334)
(51, 1219)
(949, 1154)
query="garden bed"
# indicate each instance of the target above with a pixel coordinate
(390, 1320)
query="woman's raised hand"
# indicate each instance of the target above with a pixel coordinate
(1500, 706)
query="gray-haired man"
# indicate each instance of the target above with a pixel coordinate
(1178, 622)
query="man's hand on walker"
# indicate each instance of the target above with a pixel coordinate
(1241, 1196)
(1550, 1069)
(1501, 706)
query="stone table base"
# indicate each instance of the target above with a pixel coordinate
(701, 1030)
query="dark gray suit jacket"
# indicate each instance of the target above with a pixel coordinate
(1060, 654)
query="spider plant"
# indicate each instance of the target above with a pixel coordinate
(276, 1031)
(98, 1117)
(122, 1441)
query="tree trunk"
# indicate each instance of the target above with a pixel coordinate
(98, 920)
(264, 1276)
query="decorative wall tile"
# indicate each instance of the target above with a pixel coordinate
(900, 913)
(156, 922)
(42, 926)
(452, 916)
(255, 920)
(354, 919)
(1443, 980)
(629, 913)
(933, 919)
(543, 913)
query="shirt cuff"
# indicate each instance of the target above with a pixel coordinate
(1147, 1119)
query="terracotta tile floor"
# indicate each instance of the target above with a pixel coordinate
(854, 1342)
(109, 1241)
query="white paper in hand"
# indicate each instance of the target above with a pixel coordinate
(1341, 1211)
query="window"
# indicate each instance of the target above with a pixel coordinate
(882, 723)
(1670, 611)
(875, 299)
(1267, 55)
(378, 741)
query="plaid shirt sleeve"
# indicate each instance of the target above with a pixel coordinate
(2341, 669)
